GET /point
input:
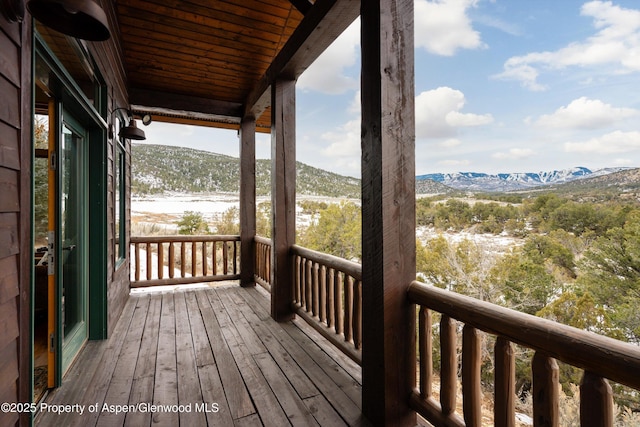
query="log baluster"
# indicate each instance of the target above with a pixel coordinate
(205, 260)
(596, 401)
(331, 312)
(194, 258)
(357, 314)
(449, 365)
(338, 291)
(348, 308)
(425, 351)
(160, 260)
(315, 289)
(322, 301)
(149, 265)
(471, 376)
(225, 258)
(545, 390)
(504, 389)
(137, 273)
(183, 259)
(172, 259)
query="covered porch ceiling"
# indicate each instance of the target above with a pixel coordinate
(211, 62)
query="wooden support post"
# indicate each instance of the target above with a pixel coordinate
(388, 211)
(247, 201)
(283, 196)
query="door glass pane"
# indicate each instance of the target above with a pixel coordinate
(72, 234)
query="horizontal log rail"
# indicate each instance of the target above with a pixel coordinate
(262, 274)
(600, 357)
(179, 260)
(328, 295)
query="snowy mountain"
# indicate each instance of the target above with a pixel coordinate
(475, 181)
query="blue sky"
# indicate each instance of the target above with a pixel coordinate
(501, 86)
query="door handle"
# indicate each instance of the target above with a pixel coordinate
(69, 248)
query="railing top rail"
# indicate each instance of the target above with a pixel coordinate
(263, 240)
(351, 268)
(604, 356)
(184, 238)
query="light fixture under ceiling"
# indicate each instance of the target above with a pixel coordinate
(131, 131)
(83, 19)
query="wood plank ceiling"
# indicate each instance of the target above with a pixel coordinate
(187, 61)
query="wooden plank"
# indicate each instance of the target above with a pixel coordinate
(9, 329)
(165, 390)
(143, 378)
(250, 338)
(213, 393)
(248, 421)
(122, 380)
(265, 402)
(297, 377)
(9, 111)
(10, 201)
(293, 406)
(283, 196)
(189, 392)
(330, 379)
(323, 412)
(9, 59)
(9, 149)
(388, 210)
(238, 398)
(8, 278)
(99, 375)
(247, 200)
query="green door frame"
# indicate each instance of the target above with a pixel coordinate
(68, 93)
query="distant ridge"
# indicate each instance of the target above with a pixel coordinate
(475, 181)
(160, 168)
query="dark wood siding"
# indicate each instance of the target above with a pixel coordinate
(15, 213)
(108, 57)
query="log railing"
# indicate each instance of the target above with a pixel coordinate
(262, 274)
(179, 260)
(328, 295)
(600, 357)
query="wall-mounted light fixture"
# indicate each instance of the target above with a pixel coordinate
(83, 19)
(131, 131)
(13, 10)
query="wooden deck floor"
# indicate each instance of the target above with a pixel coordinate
(215, 348)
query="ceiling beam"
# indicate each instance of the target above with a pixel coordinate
(303, 6)
(186, 104)
(324, 22)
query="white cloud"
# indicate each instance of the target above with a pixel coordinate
(614, 142)
(442, 26)
(454, 162)
(327, 73)
(450, 143)
(622, 162)
(514, 154)
(438, 113)
(616, 42)
(585, 113)
(344, 148)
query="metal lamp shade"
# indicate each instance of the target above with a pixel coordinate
(83, 19)
(132, 132)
